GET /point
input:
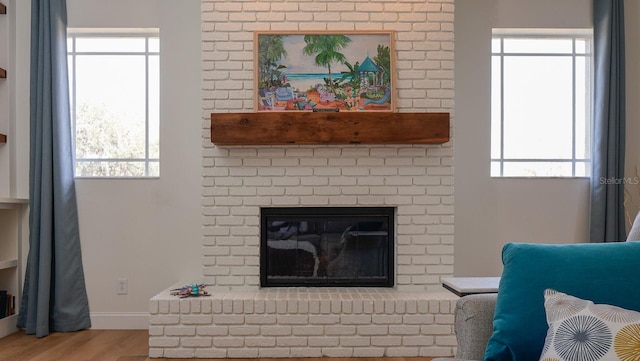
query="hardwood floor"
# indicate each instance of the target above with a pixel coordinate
(89, 345)
(100, 345)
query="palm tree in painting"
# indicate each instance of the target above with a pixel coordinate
(352, 77)
(271, 50)
(383, 60)
(326, 49)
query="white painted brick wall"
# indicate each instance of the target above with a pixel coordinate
(237, 181)
(322, 322)
(418, 180)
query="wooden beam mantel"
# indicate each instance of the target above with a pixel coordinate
(3, 138)
(279, 128)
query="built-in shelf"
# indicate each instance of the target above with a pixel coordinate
(3, 73)
(12, 263)
(279, 128)
(13, 233)
(8, 324)
(3, 10)
(12, 202)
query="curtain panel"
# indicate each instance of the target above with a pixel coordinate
(54, 295)
(607, 220)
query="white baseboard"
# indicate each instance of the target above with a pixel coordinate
(119, 321)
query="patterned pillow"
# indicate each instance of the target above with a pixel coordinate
(580, 330)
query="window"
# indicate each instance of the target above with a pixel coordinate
(114, 81)
(540, 104)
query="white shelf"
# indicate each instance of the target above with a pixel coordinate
(8, 264)
(14, 214)
(14, 218)
(8, 324)
(8, 203)
(14, 200)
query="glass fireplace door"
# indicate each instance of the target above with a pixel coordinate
(327, 247)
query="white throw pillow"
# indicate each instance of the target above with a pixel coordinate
(580, 330)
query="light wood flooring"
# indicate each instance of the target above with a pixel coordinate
(100, 345)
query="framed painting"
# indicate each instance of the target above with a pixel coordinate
(324, 71)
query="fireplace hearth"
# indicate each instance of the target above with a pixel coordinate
(327, 247)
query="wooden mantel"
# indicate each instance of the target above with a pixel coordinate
(279, 128)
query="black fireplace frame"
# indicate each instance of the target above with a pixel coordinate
(326, 213)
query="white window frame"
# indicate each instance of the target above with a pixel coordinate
(575, 35)
(72, 35)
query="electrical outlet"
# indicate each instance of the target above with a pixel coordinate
(122, 287)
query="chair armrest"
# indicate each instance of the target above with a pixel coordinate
(474, 324)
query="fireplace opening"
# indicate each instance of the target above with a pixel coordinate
(327, 247)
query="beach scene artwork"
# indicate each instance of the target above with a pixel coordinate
(323, 71)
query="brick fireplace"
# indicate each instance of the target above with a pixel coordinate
(241, 319)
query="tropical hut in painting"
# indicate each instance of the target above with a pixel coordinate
(370, 74)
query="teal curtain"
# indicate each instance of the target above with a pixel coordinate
(54, 295)
(607, 221)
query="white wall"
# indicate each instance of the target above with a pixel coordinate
(147, 230)
(489, 211)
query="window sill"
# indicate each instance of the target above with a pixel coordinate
(545, 177)
(117, 178)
